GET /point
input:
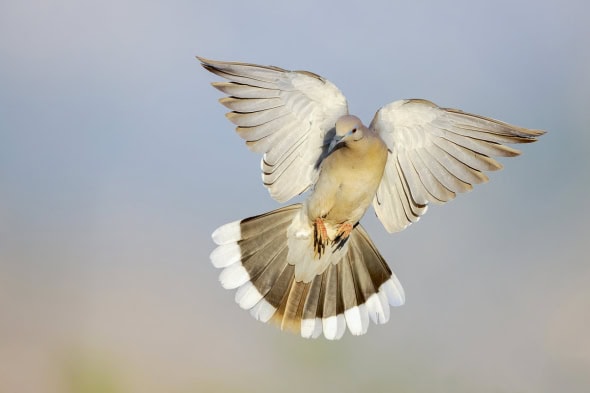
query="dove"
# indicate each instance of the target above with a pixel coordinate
(311, 268)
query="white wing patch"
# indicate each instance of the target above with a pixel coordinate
(284, 115)
(436, 153)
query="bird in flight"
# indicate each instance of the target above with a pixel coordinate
(310, 267)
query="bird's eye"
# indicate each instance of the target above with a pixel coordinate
(353, 130)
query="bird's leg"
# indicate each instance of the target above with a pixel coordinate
(320, 237)
(342, 235)
(344, 230)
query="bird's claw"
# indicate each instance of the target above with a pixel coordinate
(320, 238)
(344, 231)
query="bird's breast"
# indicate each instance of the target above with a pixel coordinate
(347, 184)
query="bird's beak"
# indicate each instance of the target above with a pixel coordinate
(336, 140)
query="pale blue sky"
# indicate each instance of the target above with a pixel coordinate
(116, 164)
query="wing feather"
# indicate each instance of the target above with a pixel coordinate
(250, 104)
(444, 175)
(282, 114)
(245, 91)
(436, 153)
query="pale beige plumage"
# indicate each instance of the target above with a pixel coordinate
(311, 267)
(349, 175)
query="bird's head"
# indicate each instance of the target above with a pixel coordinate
(349, 128)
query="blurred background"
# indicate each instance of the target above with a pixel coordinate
(116, 164)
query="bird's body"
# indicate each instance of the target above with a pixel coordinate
(311, 267)
(348, 179)
(346, 185)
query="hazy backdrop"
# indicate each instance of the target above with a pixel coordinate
(116, 164)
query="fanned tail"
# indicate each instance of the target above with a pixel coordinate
(355, 286)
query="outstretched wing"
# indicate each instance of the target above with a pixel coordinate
(435, 153)
(286, 115)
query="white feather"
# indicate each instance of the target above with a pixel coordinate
(308, 327)
(341, 327)
(430, 149)
(227, 233)
(233, 276)
(247, 296)
(318, 328)
(354, 321)
(304, 102)
(394, 291)
(225, 255)
(364, 317)
(263, 311)
(330, 326)
(384, 306)
(375, 309)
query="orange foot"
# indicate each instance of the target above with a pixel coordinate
(320, 238)
(344, 231)
(342, 235)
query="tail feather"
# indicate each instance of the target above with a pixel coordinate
(264, 243)
(248, 295)
(379, 273)
(355, 286)
(279, 292)
(289, 313)
(364, 287)
(333, 322)
(356, 315)
(311, 322)
(264, 272)
(294, 306)
(252, 227)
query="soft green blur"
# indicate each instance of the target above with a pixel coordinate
(116, 164)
